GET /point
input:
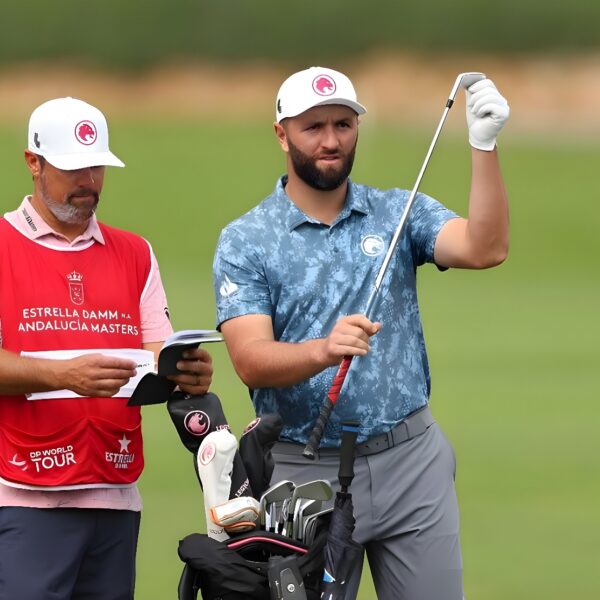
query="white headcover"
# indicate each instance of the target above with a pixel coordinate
(215, 463)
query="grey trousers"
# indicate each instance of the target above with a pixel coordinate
(406, 514)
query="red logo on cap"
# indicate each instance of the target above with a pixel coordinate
(85, 132)
(323, 85)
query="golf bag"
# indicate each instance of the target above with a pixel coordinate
(244, 565)
(253, 566)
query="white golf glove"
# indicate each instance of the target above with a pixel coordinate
(487, 111)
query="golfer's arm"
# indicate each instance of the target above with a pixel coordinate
(481, 241)
(260, 361)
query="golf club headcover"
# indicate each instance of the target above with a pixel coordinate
(235, 511)
(194, 418)
(215, 463)
(255, 450)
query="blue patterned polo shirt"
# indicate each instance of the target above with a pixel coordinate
(277, 261)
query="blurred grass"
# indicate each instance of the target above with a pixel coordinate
(513, 350)
(144, 34)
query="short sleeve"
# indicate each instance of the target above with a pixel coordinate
(427, 219)
(154, 312)
(239, 280)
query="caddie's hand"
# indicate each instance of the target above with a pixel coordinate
(349, 337)
(94, 375)
(197, 371)
(487, 111)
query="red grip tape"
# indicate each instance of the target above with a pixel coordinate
(338, 380)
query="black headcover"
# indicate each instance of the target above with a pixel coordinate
(194, 418)
(255, 449)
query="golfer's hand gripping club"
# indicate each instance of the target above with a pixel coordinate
(487, 111)
(464, 80)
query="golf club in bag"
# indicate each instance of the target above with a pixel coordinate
(464, 80)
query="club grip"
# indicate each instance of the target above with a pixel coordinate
(332, 395)
(338, 380)
(317, 433)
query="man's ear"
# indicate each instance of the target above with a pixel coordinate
(33, 163)
(281, 136)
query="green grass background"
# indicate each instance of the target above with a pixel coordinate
(513, 350)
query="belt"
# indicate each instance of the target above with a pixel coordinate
(415, 424)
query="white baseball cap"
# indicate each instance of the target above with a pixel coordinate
(315, 87)
(70, 134)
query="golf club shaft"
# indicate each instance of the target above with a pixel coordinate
(465, 80)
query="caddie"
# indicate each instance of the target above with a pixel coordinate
(83, 314)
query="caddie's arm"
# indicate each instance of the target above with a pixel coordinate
(93, 375)
(480, 241)
(261, 361)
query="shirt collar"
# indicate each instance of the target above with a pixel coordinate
(356, 201)
(31, 224)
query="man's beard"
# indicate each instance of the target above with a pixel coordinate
(67, 212)
(325, 180)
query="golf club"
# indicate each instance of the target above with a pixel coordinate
(307, 508)
(464, 80)
(310, 525)
(277, 493)
(319, 489)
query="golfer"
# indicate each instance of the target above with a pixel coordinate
(83, 315)
(292, 278)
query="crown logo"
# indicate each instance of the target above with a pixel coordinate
(75, 277)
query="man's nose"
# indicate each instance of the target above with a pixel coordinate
(330, 138)
(86, 176)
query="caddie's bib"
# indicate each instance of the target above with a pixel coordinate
(55, 299)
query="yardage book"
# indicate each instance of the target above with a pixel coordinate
(155, 388)
(175, 344)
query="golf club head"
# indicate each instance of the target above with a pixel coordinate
(468, 79)
(464, 80)
(276, 494)
(305, 509)
(311, 523)
(318, 489)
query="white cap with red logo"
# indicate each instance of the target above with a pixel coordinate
(70, 134)
(315, 87)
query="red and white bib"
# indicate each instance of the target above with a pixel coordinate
(62, 299)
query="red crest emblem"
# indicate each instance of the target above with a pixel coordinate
(76, 287)
(323, 85)
(85, 132)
